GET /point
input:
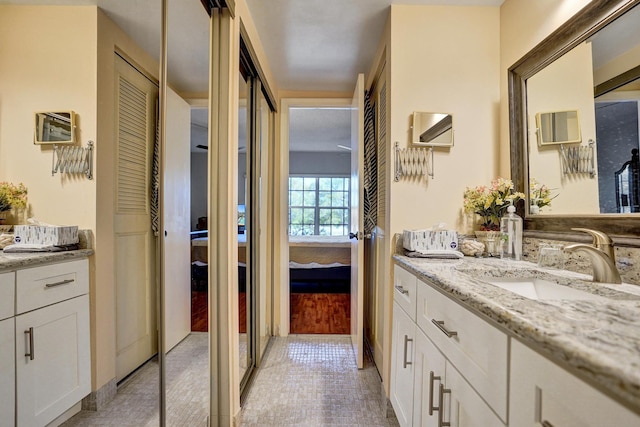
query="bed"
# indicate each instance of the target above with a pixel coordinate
(316, 263)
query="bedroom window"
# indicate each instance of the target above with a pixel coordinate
(319, 206)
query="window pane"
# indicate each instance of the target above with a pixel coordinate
(310, 184)
(295, 198)
(338, 199)
(307, 230)
(295, 216)
(337, 216)
(337, 184)
(325, 198)
(309, 198)
(325, 217)
(309, 216)
(324, 231)
(295, 183)
(325, 184)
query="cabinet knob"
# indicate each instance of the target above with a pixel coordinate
(441, 393)
(402, 290)
(30, 352)
(432, 378)
(407, 340)
(440, 325)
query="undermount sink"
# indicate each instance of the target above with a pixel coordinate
(540, 289)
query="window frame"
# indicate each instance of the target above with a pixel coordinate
(316, 207)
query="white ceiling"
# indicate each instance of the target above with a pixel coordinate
(323, 44)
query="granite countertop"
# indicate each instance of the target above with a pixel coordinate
(597, 339)
(13, 261)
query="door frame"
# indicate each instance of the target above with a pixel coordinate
(281, 237)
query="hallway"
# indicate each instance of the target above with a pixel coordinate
(304, 380)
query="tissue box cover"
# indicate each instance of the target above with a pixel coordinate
(427, 240)
(46, 235)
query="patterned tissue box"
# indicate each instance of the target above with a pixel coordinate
(46, 235)
(427, 240)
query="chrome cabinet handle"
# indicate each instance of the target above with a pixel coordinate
(406, 341)
(546, 423)
(62, 282)
(402, 290)
(30, 353)
(432, 408)
(440, 325)
(442, 392)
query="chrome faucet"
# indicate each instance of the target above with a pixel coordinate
(601, 254)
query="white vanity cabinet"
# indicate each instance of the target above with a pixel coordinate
(7, 350)
(403, 345)
(50, 343)
(442, 358)
(542, 393)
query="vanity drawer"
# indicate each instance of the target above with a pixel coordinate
(404, 290)
(7, 294)
(478, 350)
(44, 285)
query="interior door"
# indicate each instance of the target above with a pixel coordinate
(357, 221)
(136, 336)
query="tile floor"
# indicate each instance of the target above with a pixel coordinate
(312, 380)
(136, 404)
(304, 380)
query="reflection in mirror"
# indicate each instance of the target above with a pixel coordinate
(432, 129)
(559, 127)
(243, 231)
(603, 64)
(263, 285)
(186, 287)
(55, 127)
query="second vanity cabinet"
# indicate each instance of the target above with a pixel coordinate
(440, 357)
(45, 363)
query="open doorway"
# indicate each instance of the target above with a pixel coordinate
(319, 219)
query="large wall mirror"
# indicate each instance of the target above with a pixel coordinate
(591, 66)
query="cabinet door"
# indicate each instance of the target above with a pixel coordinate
(402, 365)
(465, 407)
(542, 392)
(53, 364)
(7, 373)
(429, 374)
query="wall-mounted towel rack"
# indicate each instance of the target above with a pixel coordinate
(413, 162)
(73, 159)
(578, 159)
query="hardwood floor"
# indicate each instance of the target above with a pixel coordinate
(318, 313)
(199, 311)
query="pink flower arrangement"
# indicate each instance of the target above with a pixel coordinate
(491, 202)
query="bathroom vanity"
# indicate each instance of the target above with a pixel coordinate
(490, 342)
(45, 362)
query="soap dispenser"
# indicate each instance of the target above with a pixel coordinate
(511, 235)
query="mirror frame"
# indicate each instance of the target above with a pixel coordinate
(574, 31)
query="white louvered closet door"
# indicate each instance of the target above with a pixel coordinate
(136, 339)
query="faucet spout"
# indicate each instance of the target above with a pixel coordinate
(604, 267)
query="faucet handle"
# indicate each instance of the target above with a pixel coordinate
(600, 241)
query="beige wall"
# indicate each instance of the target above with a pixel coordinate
(444, 59)
(38, 74)
(524, 24)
